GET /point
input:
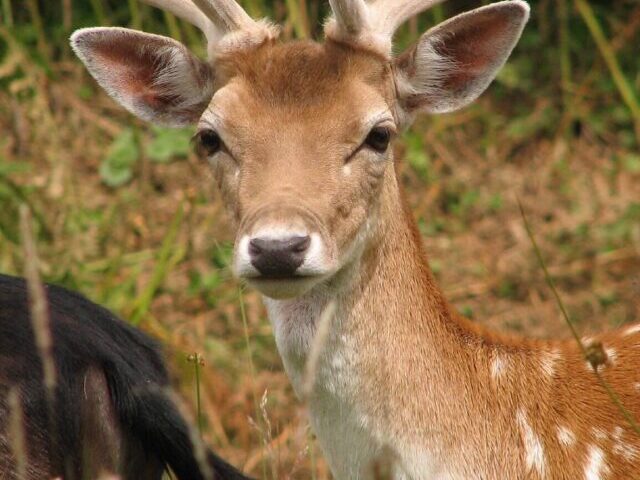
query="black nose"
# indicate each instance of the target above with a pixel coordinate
(278, 258)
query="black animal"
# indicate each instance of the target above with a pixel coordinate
(110, 413)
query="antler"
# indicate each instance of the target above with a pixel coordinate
(218, 20)
(373, 24)
(226, 15)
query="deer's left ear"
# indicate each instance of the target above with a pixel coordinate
(154, 77)
(454, 62)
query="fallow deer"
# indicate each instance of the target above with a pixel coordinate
(109, 414)
(298, 135)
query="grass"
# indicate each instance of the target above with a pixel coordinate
(556, 129)
(594, 352)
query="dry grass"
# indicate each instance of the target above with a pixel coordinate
(156, 249)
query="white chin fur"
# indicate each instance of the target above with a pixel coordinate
(285, 288)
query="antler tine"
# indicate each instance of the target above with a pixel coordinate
(186, 10)
(388, 15)
(226, 25)
(226, 15)
(351, 15)
(372, 24)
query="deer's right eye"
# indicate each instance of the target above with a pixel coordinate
(208, 143)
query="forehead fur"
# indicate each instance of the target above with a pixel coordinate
(302, 71)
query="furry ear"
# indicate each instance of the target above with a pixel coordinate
(454, 62)
(154, 77)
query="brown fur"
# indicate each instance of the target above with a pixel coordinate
(425, 371)
(402, 372)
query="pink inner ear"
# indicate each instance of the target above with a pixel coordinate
(473, 46)
(134, 68)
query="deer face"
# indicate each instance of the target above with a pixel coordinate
(299, 140)
(298, 134)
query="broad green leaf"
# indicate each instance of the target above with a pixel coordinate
(417, 156)
(117, 167)
(168, 143)
(7, 168)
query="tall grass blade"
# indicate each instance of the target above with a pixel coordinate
(594, 354)
(37, 302)
(136, 19)
(36, 19)
(16, 430)
(199, 448)
(320, 338)
(168, 256)
(296, 19)
(7, 13)
(622, 84)
(252, 371)
(39, 312)
(565, 57)
(172, 25)
(198, 361)
(99, 12)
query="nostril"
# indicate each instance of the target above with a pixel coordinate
(278, 257)
(300, 244)
(255, 247)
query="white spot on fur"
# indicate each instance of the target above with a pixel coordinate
(346, 170)
(599, 434)
(612, 355)
(627, 451)
(596, 468)
(498, 366)
(548, 362)
(617, 433)
(566, 436)
(534, 450)
(637, 386)
(632, 330)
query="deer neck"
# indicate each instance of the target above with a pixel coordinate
(391, 318)
(399, 367)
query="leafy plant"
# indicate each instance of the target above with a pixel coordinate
(417, 156)
(117, 166)
(168, 143)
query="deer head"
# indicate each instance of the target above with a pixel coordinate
(298, 134)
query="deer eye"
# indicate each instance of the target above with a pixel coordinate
(208, 143)
(378, 139)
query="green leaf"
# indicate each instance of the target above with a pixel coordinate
(117, 166)
(632, 163)
(417, 156)
(169, 143)
(7, 169)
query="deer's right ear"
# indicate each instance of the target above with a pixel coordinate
(154, 77)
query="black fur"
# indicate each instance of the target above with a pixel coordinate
(88, 337)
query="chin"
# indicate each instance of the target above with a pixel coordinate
(283, 288)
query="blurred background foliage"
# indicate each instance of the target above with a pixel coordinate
(125, 213)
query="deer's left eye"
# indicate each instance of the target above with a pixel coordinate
(378, 139)
(208, 142)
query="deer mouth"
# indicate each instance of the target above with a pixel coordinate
(283, 287)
